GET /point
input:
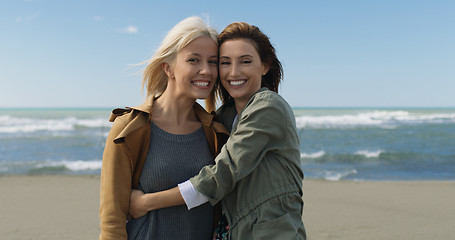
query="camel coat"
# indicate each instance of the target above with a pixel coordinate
(124, 156)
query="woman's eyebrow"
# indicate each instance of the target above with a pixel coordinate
(199, 55)
(246, 55)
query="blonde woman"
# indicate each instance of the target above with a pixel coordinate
(166, 140)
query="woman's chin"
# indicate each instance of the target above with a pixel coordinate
(203, 96)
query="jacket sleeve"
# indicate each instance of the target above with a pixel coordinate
(115, 187)
(260, 128)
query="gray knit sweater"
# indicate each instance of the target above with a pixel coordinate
(173, 159)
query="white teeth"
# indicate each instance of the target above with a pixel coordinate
(201, 84)
(236, 83)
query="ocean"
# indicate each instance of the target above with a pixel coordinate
(378, 144)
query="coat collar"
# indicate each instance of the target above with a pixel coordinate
(146, 107)
(207, 119)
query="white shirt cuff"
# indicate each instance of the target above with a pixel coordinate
(192, 197)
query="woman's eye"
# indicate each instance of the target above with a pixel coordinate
(246, 61)
(213, 62)
(192, 60)
(224, 63)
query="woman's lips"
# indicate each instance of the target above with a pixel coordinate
(201, 83)
(236, 83)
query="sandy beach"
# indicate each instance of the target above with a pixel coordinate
(66, 207)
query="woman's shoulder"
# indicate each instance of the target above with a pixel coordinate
(123, 117)
(268, 106)
(118, 113)
(267, 98)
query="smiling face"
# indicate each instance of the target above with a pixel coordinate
(194, 71)
(241, 69)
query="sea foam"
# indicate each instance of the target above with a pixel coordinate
(78, 165)
(369, 154)
(385, 119)
(10, 124)
(312, 155)
(337, 175)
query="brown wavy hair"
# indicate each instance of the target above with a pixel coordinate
(266, 51)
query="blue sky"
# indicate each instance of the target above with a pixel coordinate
(377, 53)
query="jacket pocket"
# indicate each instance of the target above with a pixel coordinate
(280, 228)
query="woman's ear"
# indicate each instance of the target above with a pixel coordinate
(265, 69)
(168, 70)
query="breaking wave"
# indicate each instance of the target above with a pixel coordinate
(385, 119)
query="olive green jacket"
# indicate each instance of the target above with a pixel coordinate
(257, 175)
(124, 156)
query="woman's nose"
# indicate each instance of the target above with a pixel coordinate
(234, 70)
(205, 69)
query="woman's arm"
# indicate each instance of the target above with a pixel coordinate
(185, 193)
(244, 150)
(115, 188)
(141, 203)
(261, 129)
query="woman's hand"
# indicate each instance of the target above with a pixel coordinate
(138, 204)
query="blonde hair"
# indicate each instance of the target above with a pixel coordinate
(154, 78)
